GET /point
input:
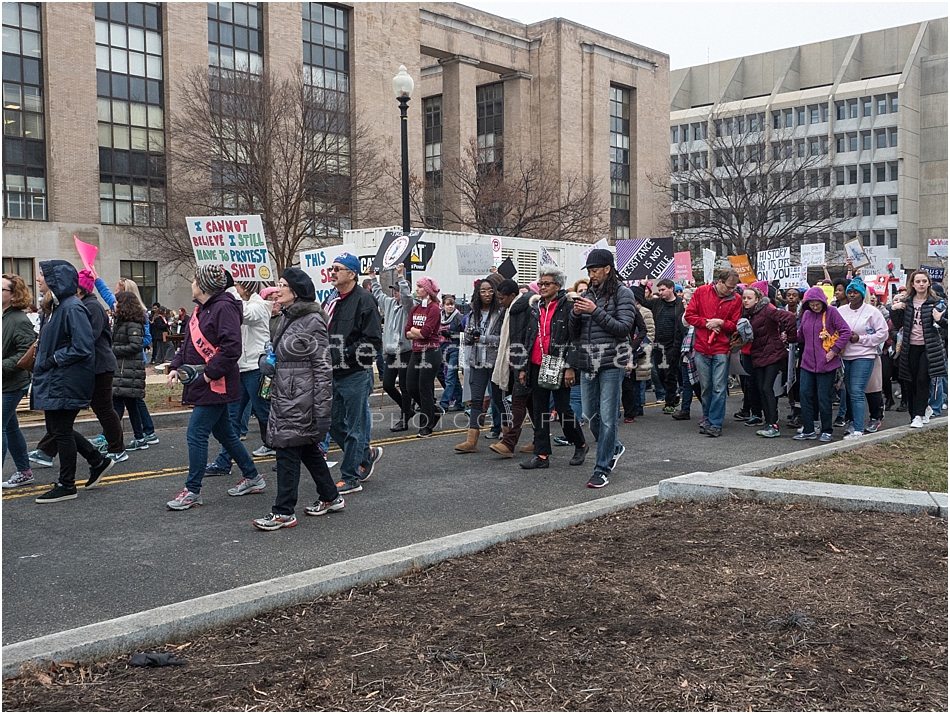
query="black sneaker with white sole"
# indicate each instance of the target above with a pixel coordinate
(98, 471)
(598, 480)
(613, 462)
(57, 493)
(375, 454)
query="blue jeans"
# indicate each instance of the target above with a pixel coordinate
(938, 394)
(348, 420)
(843, 401)
(600, 392)
(687, 389)
(577, 404)
(147, 426)
(824, 384)
(250, 399)
(12, 436)
(713, 378)
(857, 372)
(453, 387)
(207, 420)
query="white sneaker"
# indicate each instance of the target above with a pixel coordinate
(18, 479)
(263, 451)
(917, 423)
(927, 414)
(853, 435)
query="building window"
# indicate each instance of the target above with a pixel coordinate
(892, 239)
(893, 102)
(235, 39)
(490, 122)
(620, 162)
(852, 142)
(881, 105)
(840, 111)
(879, 238)
(326, 53)
(852, 109)
(893, 167)
(145, 275)
(865, 106)
(800, 116)
(789, 119)
(865, 175)
(880, 171)
(432, 116)
(893, 136)
(880, 137)
(892, 200)
(675, 135)
(22, 267)
(813, 115)
(880, 206)
(865, 207)
(852, 175)
(865, 238)
(24, 132)
(131, 114)
(865, 141)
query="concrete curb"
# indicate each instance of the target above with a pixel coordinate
(185, 619)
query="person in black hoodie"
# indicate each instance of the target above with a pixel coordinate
(64, 376)
(668, 311)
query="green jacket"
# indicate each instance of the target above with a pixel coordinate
(18, 335)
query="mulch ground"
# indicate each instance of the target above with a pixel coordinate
(705, 607)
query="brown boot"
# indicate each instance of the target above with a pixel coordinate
(470, 446)
(527, 449)
(500, 448)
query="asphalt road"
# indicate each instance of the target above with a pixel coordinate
(117, 550)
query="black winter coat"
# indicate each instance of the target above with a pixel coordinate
(99, 321)
(560, 344)
(603, 337)
(934, 341)
(302, 386)
(129, 381)
(521, 314)
(355, 332)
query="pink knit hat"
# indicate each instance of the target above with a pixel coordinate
(86, 281)
(761, 285)
(430, 286)
(267, 291)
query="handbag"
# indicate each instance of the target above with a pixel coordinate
(551, 374)
(28, 360)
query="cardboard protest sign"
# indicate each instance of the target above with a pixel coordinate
(813, 254)
(936, 274)
(855, 252)
(640, 258)
(741, 263)
(937, 248)
(683, 266)
(709, 265)
(545, 258)
(774, 264)
(87, 253)
(234, 242)
(507, 269)
(602, 243)
(829, 291)
(797, 278)
(394, 249)
(474, 259)
(316, 263)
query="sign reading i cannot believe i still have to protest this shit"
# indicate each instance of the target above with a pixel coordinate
(236, 243)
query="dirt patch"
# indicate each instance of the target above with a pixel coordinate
(723, 606)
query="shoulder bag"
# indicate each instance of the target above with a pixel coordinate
(28, 360)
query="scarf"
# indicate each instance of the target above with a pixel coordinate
(501, 375)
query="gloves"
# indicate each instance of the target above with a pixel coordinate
(155, 659)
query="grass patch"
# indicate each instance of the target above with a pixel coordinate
(917, 463)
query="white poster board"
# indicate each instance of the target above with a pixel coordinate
(797, 278)
(709, 265)
(854, 251)
(601, 244)
(236, 243)
(937, 248)
(316, 263)
(773, 264)
(813, 254)
(475, 259)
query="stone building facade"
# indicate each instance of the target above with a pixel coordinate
(88, 88)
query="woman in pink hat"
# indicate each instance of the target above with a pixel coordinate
(423, 329)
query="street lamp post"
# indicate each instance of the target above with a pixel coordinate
(402, 88)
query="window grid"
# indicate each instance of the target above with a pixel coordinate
(620, 162)
(24, 134)
(490, 123)
(130, 89)
(145, 275)
(235, 37)
(432, 120)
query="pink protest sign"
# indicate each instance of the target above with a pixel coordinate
(87, 253)
(683, 266)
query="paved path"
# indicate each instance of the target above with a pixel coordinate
(116, 550)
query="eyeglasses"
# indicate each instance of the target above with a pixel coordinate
(489, 291)
(283, 285)
(546, 283)
(338, 268)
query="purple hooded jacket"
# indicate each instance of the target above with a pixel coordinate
(809, 333)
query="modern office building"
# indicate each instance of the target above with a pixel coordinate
(873, 105)
(89, 90)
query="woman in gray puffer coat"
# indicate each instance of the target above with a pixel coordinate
(300, 402)
(128, 334)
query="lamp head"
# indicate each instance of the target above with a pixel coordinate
(402, 83)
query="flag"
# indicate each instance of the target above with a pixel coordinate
(546, 258)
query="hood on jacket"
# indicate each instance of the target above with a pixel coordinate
(816, 293)
(299, 308)
(522, 303)
(61, 277)
(561, 294)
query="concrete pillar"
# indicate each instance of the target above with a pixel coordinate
(458, 123)
(517, 135)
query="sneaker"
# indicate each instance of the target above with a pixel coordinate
(560, 441)
(248, 486)
(927, 414)
(137, 445)
(119, 458)
(825, 436)
(794, 421)
(598, 480)
(424, 433)
(769, 433)
(839, 422)
(853, 435)
(100, 443)
(492, 434)
(713, 431)
(669, 409)
(150, 438)
(183, 500)
(535, 462)
(849, 428)
(98, 471)
(902, 407)
(375, 454)
(617, 454)
(806, 436)
(681, 415)
(580, 454)
(741, 415)
(917, 423)
(873, 426)
(320, 507)
(344, 488)
(213, 469)
(629, 420)
(40, 459)
(263, 451)
(20, 478)
(755, 421)
(274, 521)
(57, 493)
(243, 437)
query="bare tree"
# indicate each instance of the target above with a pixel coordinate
(269, 144)
(752, 188)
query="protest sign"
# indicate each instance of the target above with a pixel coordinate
(640, 258)
(709, 265)
(854, 251)
(683, 266)
(797, 278)
(774, 264)
(236, 243)
(316, 263)
(601, 244)
(545, 258)
(87, 253)
(829, 291)
(936, 274)
(741, 263)
(507, 269)
(937, 248)
(394, 249)
(813, 254)
(880, 256)
(474, 259)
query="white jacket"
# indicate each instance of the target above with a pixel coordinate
(255, 331)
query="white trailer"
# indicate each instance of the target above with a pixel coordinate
(438, 255)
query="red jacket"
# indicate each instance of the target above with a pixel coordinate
(706, 305)
(428, 319)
